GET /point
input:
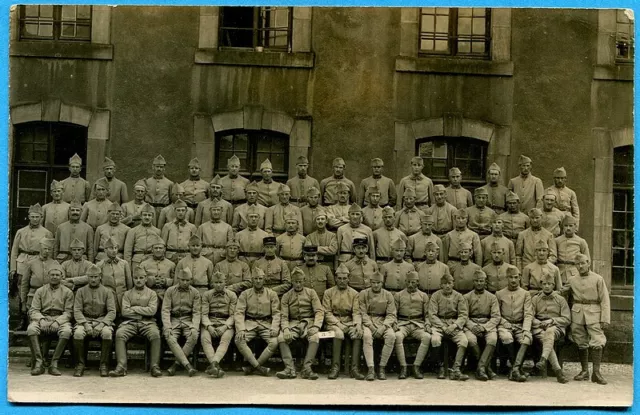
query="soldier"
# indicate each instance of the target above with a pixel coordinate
(36, 274)
(527, 239)
(116, 273)
(50, 313)
(195, 189)
(317, 276)
(385, 186)
(158, 271)
(302, 317)
(277, 275)
(515, 324)
(372, 213)
(250, 239)
(484, 317)
(55, 212)
(74, 228)
(385, 236)
(214, 235)
(310, 210)
(551, 317)
(551, 217)
(168, 213)
(496, 269)
(131, 211)
(342, 317)
(137, 244)
(94, 311)
(360, 268)
(237, 273)
(566, 199)
(181, 312)
(159, 187)
(421, 185)
(200, 267)
(176, 234)
(417, 243)
(276, 216)
(395, 271)
(302, 183)
(354, 229)
(139, 306)
(497, 192)
(464, 271)
(452, 241)
(497, 237)
(448, 314)
(338, 213)
(75, 187)
(379, 316)
(514, 221)
(442, 212)
(241, 211)
(409, 217)
(534, 272)
(203, 212)
(457, 195)
(233, 185)
(527, 186)
(112, 229)
(431, 270)
(218, 309)
(328, 186)
(569, 245)
(117, 188)
(590, 316)
(326, 241)
(413, 321)
(480, 216)
(257, 315)
(289, 244)
(75, 269)
(267, 187)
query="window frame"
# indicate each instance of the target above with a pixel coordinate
(624, 188)
(258, 41)
(619, 40)
(57, 22)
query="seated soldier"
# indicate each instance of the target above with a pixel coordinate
(218, 308)
(484, 317)
(515, 324)
(237, 273)
(360, 267)
(139, 306)
(384, 237)
(448, 314)
(94, 311)
(533, 272)
(317, 276)
(395, 271)
(276, 270)
(431, 270)
(302, 317)
(181, 317)
(50, 313)
(496, 270)
(463, 272)
(378, 310)
(257, 315)
(551, 317)
(413, 320)
(158, 270)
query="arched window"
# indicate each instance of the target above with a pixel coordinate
(622, 238)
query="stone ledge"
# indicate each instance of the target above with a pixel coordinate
(621, 302)
(61, 50)
(303, 60)
(453, 66)
(621, 72)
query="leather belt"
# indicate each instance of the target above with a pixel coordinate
(587, 302)
(53, 313)
(514, 321)
(181, 314)
(20, 251)
(154, 204)
(120, 252)
(93, 316)
(142, 252)
(218, 315)
(414, 317)
(259, 318)
(441, 232)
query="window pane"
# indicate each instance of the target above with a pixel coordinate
(440, 168)
(32, 179)
(428, 23)
(31, 11)
(629, 279)
(277, 160)
(68, 139)
(630, 258)
(46, 12)
(465, 11)
(426, 149)
(476, 170)
(619, 221)
(477, 47)
(241, 143)
(442, 45)
(464, 26)
(617, 276)
(31, 29)
(620, 239)
(68, 30)
(464, 47)
(618, 257)
(27, 198)
(226, 142)
(84, 12)
(45, 30)
(619, 201)
(440, 149)
(426, 45)
(68, 13)
(428, 10)
(83, 32)
(480, 11)
(442, 24)
(264, 144)
(442, 10)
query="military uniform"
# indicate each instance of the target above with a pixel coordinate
(345, 236)
(480, 220)
(55, 212)
(69, 231)
(568, 248)
(566, 201)
(423, 188)
(107, 231)
(203, 212)
(378, 311)
(451, 246)
(275, 218)
(463, 275)
(277, 274)
(214, 236)
(525, 247)
(132, 210)
(591, 306)
(116, 275)
(237, 273)
(337, 215)
(239, 222)
(496, 275)
(408, 220)
(168, 215)
(328, 187)
(195, 191)
(159, 189)
(176, 236)
(299, 187)
(552, 221)
(459, 197)
(251, 246)
(36, 275)
(290, 248)
(529, 188)
(75, 188)
(413, 322)
(341, 306)
(360, 272)
(75, 272)
(137, 245)
(506, 244)
(327, 244)
(309, 218)
(181, 314)
(372, 217)
(395, 275)
(218, 310)
(388, 194)
(117, 188)
(201, 269)
(516, 317)
(484, 310)
(94, 306)
(549, 307)
(514, 224)
(383, 239)
(160, 274)
(442, 218)
(319, 277)
(497, 197)
(268, 193)
(26, 246)
(417, 245)
(233, 187)
(446, 310)
(532, 276)
(429, 275)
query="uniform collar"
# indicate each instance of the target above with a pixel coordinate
(362, 261)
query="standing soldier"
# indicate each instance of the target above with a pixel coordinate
(395, 271)
(421, 185)
(233, 185)
(137, 244)
(497, 237)
(566, 199)
(250, 239)
(360, 268)
(431, 271)
(217, 322)
(203, 212)
(214, 235)
(302, 317)
(131, 211)
(257, 315)
(159, 272)
(57, 211)
(569, 245)
(551, 217)
(338, 213)
(95, 211)
(195, 189)
(533, 273)
(276, 216)
(328, 185)
(496, 269)
(413, 321)
(409, 217)
(181, 312)
(527, 186)
(464, 271)
(159, 188)
(117, 188)
(94, 311)
(237, 273)
(310, 210)
(176, 234)
(112, 229)
(326, 241)
(277, 276)
(240, 212)
(267, 188)
(514, 221)
(36, 274)
(289, 244)
(317, 276)
(497, 192)
(301, 184)
(385, 236)
(200, 267)
(342, 317)
(74, 228)
(116, 273)
(354, 229)
(379, 316)
(75, 187)
(417, 243)
(484, 317)
(452, 241)
(385, 186)
(527, 239)
(442, 212)
(75, 269)
(50, 313)
(590, 316)
(168, 213)
(480, 216)
(457, 195)
(372, 213)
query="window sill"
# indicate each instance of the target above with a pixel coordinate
(617, 72)
(61, 50)
(622, 302)
(453, 66)
(251, 58)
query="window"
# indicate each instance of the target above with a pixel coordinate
(252, 148)
(622, 238)
(67, 23)
(440, 154)
(624, 35)
(41, 154)
(251, 27)
(461, 32)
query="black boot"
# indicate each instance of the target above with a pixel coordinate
(105, 356)
(36, 355)
(307, 370)
(356, 350)
(78, 349)
(516, 373)
(438, 351)
(382, 373)
(483, 362)
(121, 358)
(403, 372)
(155, 358)
(596, 359)
(371, 374)
(417, 373)
(584, 363)
(53, 369)
(511, 351)
(542, 367)
(561, 377)
(335, 359)
(456, 373)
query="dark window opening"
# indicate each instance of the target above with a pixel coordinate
(624, 36)
(251, 27)
(622, 238)
(48, 22)
(460, 32)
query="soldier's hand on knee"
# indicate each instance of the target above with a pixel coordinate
(98, 328)
(358, 331)
(54, 326)
(312, 331)
(476, 330)
(527, 335)
(287, 335)
(212, 331)
(604, 325)
(506, 325)
(241, 335)
(87, 328)
(166, 332)
(274, 332)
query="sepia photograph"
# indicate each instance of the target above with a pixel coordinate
(301, 205)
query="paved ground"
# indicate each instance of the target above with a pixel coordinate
(234, 388)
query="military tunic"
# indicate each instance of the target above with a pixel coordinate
(176, 236)
(346, 234)
(429, 275)
(116, 274)
(203, 212)
(460, 197)
(250, 242)
(378, 311)
(360, 272)
(341, 306)
(529, 189)
(497, 199)
(233, 189)
(463, 275)
(201, 270)
(566, 201)
(550, 307)
(513, 224)
(26, 246)
(552, 221)
(395, 275)
(214, 238)
(480, 220)
(388, 194)
(300, 311)
(168, 215)
(408, 220)
(329, 195)
(451, 245)
(372, 217)
(505, 243)
(275, 218)
(51, 304)
(277, 276)
(181, 314)
(532, 276)
(445, 310)
(327, 244)
(568, 248)
(516, 310)
(218, 309)
(423, 187)
(417, 246)
(94, 306)
(237, 273)
(54, 214)
(591, 306)
(289, 248)
(66, 233)
(337, 215)
(160, 274)
(36, 275)
(497, 276)
(131, 213)
(268, 193)
(75, 188)
(484, 310)
(117, 191)
(257, 312)
(299, 188)
(413, 314)
(195, 191)
(526, 246)
(76, 272)
(138, 244)
(240, 220)
(442, 218)
(159, 192)
(105, 232)
(308, 219)
(383, 238)
(141, 319)
(319, 277)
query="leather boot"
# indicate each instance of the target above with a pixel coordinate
(516, 374)
(356, 351)
(403, 372)
(217, 370)
(105, 356)
(288, 372)
(171, 371)
(417, 373)
(490, 373)
(371, 374)
(596, 359)
(438, 351)
(335, 359)
(307, 371)
(191, 370)
(382, 375)
(78, 349)
(155, 358)
(481, 372)
(121, 358)
(53, 369)
(511, 351)
(36, 354)
(456, 374)
(584, 363)
(542, 367)
(561, 377)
